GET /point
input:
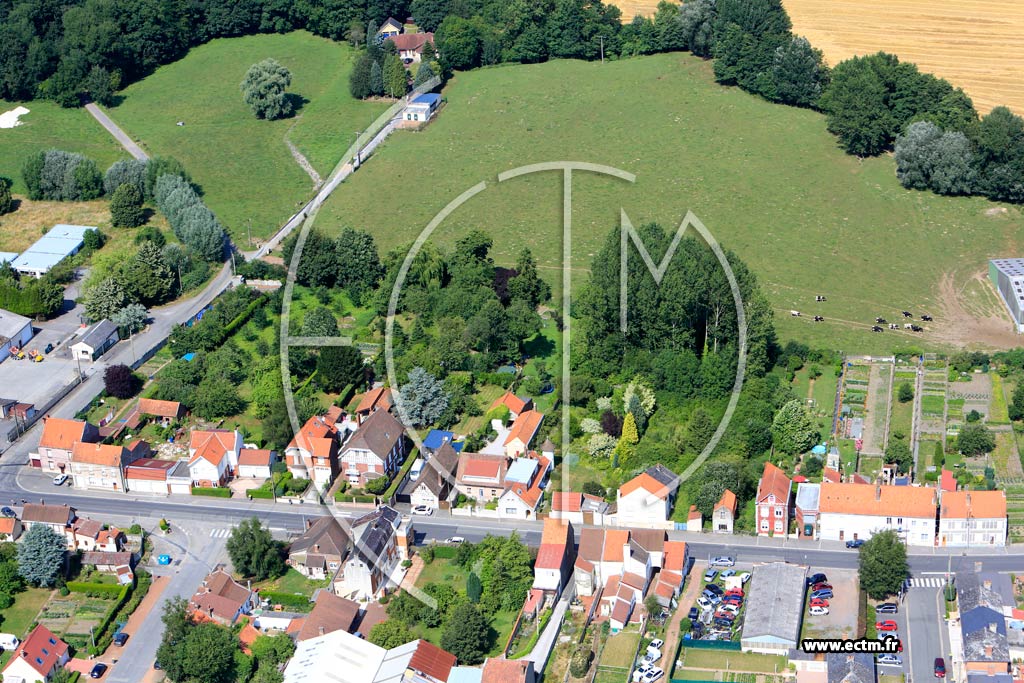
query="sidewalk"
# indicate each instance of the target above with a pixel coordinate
(686, 600)
(134, 626)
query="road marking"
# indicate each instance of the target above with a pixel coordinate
(220, 533)
(928, 582)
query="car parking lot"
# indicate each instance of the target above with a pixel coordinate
(719, 608)
(841, 620)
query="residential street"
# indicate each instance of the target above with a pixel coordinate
(925, 633)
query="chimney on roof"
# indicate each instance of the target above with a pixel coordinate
(211, 611)
(309, 523)
(878, 492)
(987, 583)
(316, 547)
(988, 650)
(321, 630)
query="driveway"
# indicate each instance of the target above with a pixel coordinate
(924, 632)
(116, 131)
(841, 620)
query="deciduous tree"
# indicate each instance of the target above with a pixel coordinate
(792, 429)
(254, 552)
(390, 634)
(41, 555)
(126, 207)
(120, 381)
(883, 564)
(467, 635)
(264, 89)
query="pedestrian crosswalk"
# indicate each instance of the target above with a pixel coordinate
(926, 582)
(220, 533)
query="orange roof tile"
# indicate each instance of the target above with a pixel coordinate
(512, 402)
(947, 482)
(727, 501)
(555, 531)
(525, 428)
(97, 454)
(566, 501)
(614, 539)
(647, 483)
(869, 499)
(774, 482)
(254, 457)
(7, 525)
(152, 406)
(830, 474)
(675, 556)
(432, 661)
(375, 398)
(41, 650)
(482, 468)
(211, 445)
(974, 504)
(506, 671)
(61, 434)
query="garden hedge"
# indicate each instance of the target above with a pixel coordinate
(219, 492)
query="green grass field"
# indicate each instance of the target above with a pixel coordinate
(620, 649)
(242, 163)
(49, 126)
(727, 659)
(768, 181)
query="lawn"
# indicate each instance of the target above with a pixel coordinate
(18, 617)
(902, 413)
(806, 217)
(999, 411)
(292, 582)
(722, 660)
(49, 126)
(242, 163)
(620, 649)
(933, 405)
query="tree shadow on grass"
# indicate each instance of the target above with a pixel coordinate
(539, 347)
(297, 101)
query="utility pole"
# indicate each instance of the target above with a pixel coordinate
(250, 232)
(602, 48)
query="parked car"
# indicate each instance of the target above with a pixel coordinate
(726, 573)
(694, 613)
(703, 603)
(894, 636)
(656, 644)
(653, 675)
(8, 512)
(723, 561)
(639, 672)
(59, 480)
(887, 625)
(714, 599)
(652, 656)
(940, 667)
(821, 585)
(120, 638)
(818, 611)
(732, 600)
(710, 575)
(824, 594)
(816, 578)
(456, 540)
(887, 608)
(730, 608)
(819, 602)
(890, 660)
(723, 622)
(744, 577)
(423, 510)
(735, 591)
(98, 670)
(717, 590)
(855, 543)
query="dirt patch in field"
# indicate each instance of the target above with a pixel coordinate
(972, 315)
(30, 220)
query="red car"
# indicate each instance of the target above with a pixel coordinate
(734, 591)
(821, 586)
(940, 667)
(819, 602)
(887, 625)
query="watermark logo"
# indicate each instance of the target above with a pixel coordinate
(629, 235)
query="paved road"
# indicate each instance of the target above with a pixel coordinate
(925, 633)
(114, 130)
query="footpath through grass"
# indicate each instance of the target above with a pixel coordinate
(242, 163)
(768, 181)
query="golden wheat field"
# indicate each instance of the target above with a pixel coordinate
(977, 45)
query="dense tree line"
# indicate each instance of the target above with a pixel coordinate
(380, 71)
(193, 223)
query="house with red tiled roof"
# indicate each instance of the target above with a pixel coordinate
(522, 433)
(313, 451)
(255, 462)
(972, 518)
(150, 475)
(330, 613)
(165, 412)
(213, 456)
(57, 441)
(102, 466)
(373, 400)
(410, 45)
(555, 558)
(617, 602)
(580, 508)
(37, 658)
(724, 514)
(772, 501)
(522, 495)
(853, 511)
(646, 500)
(481, 477)
(947, 482)
(694, 519)
(10, 528)
(829, 474)
(57, 517)
(377, 449)
(222, 599)
(508, 671)
(89, 535)
(515, 404)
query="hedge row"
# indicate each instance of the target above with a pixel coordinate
(261, 493)
(287, 600)
(445, 552)
(219, 492)
(244, 316)
(400, 476)
(102, 590)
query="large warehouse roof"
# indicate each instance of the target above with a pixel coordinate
(11, 325)
(775, 604)
(61, 241)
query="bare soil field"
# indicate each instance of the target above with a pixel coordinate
(977, 45)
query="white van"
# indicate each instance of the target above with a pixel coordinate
(8, 641)
(414, 471)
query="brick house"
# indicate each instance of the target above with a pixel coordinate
(59, 438)
(772, 501)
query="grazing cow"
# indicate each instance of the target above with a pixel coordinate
(893, 326)
(916, 328)
(926, 318)
(876, 328)
(907, 326)
(795, 314)
(880, 321)
(908, 314)
(820, 298)
(818, 319)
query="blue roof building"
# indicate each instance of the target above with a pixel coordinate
(60, 242)
(436, 438)
(521, 471)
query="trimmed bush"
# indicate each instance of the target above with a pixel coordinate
(219, 492)
(287, 600)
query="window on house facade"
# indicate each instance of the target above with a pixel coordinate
(764, 525)
(778, 512)
(888, 520)
(510, 511)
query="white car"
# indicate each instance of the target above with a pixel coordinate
(723, 561)
(657, 644)
(423, 510)
(653, 675)
(731, 609)
(726, 573)
(456, 540)
(744, 577)
(703, 603)
(60, 479)
(652, 656)
(640, 671)
(819, 611)
(890, 659)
